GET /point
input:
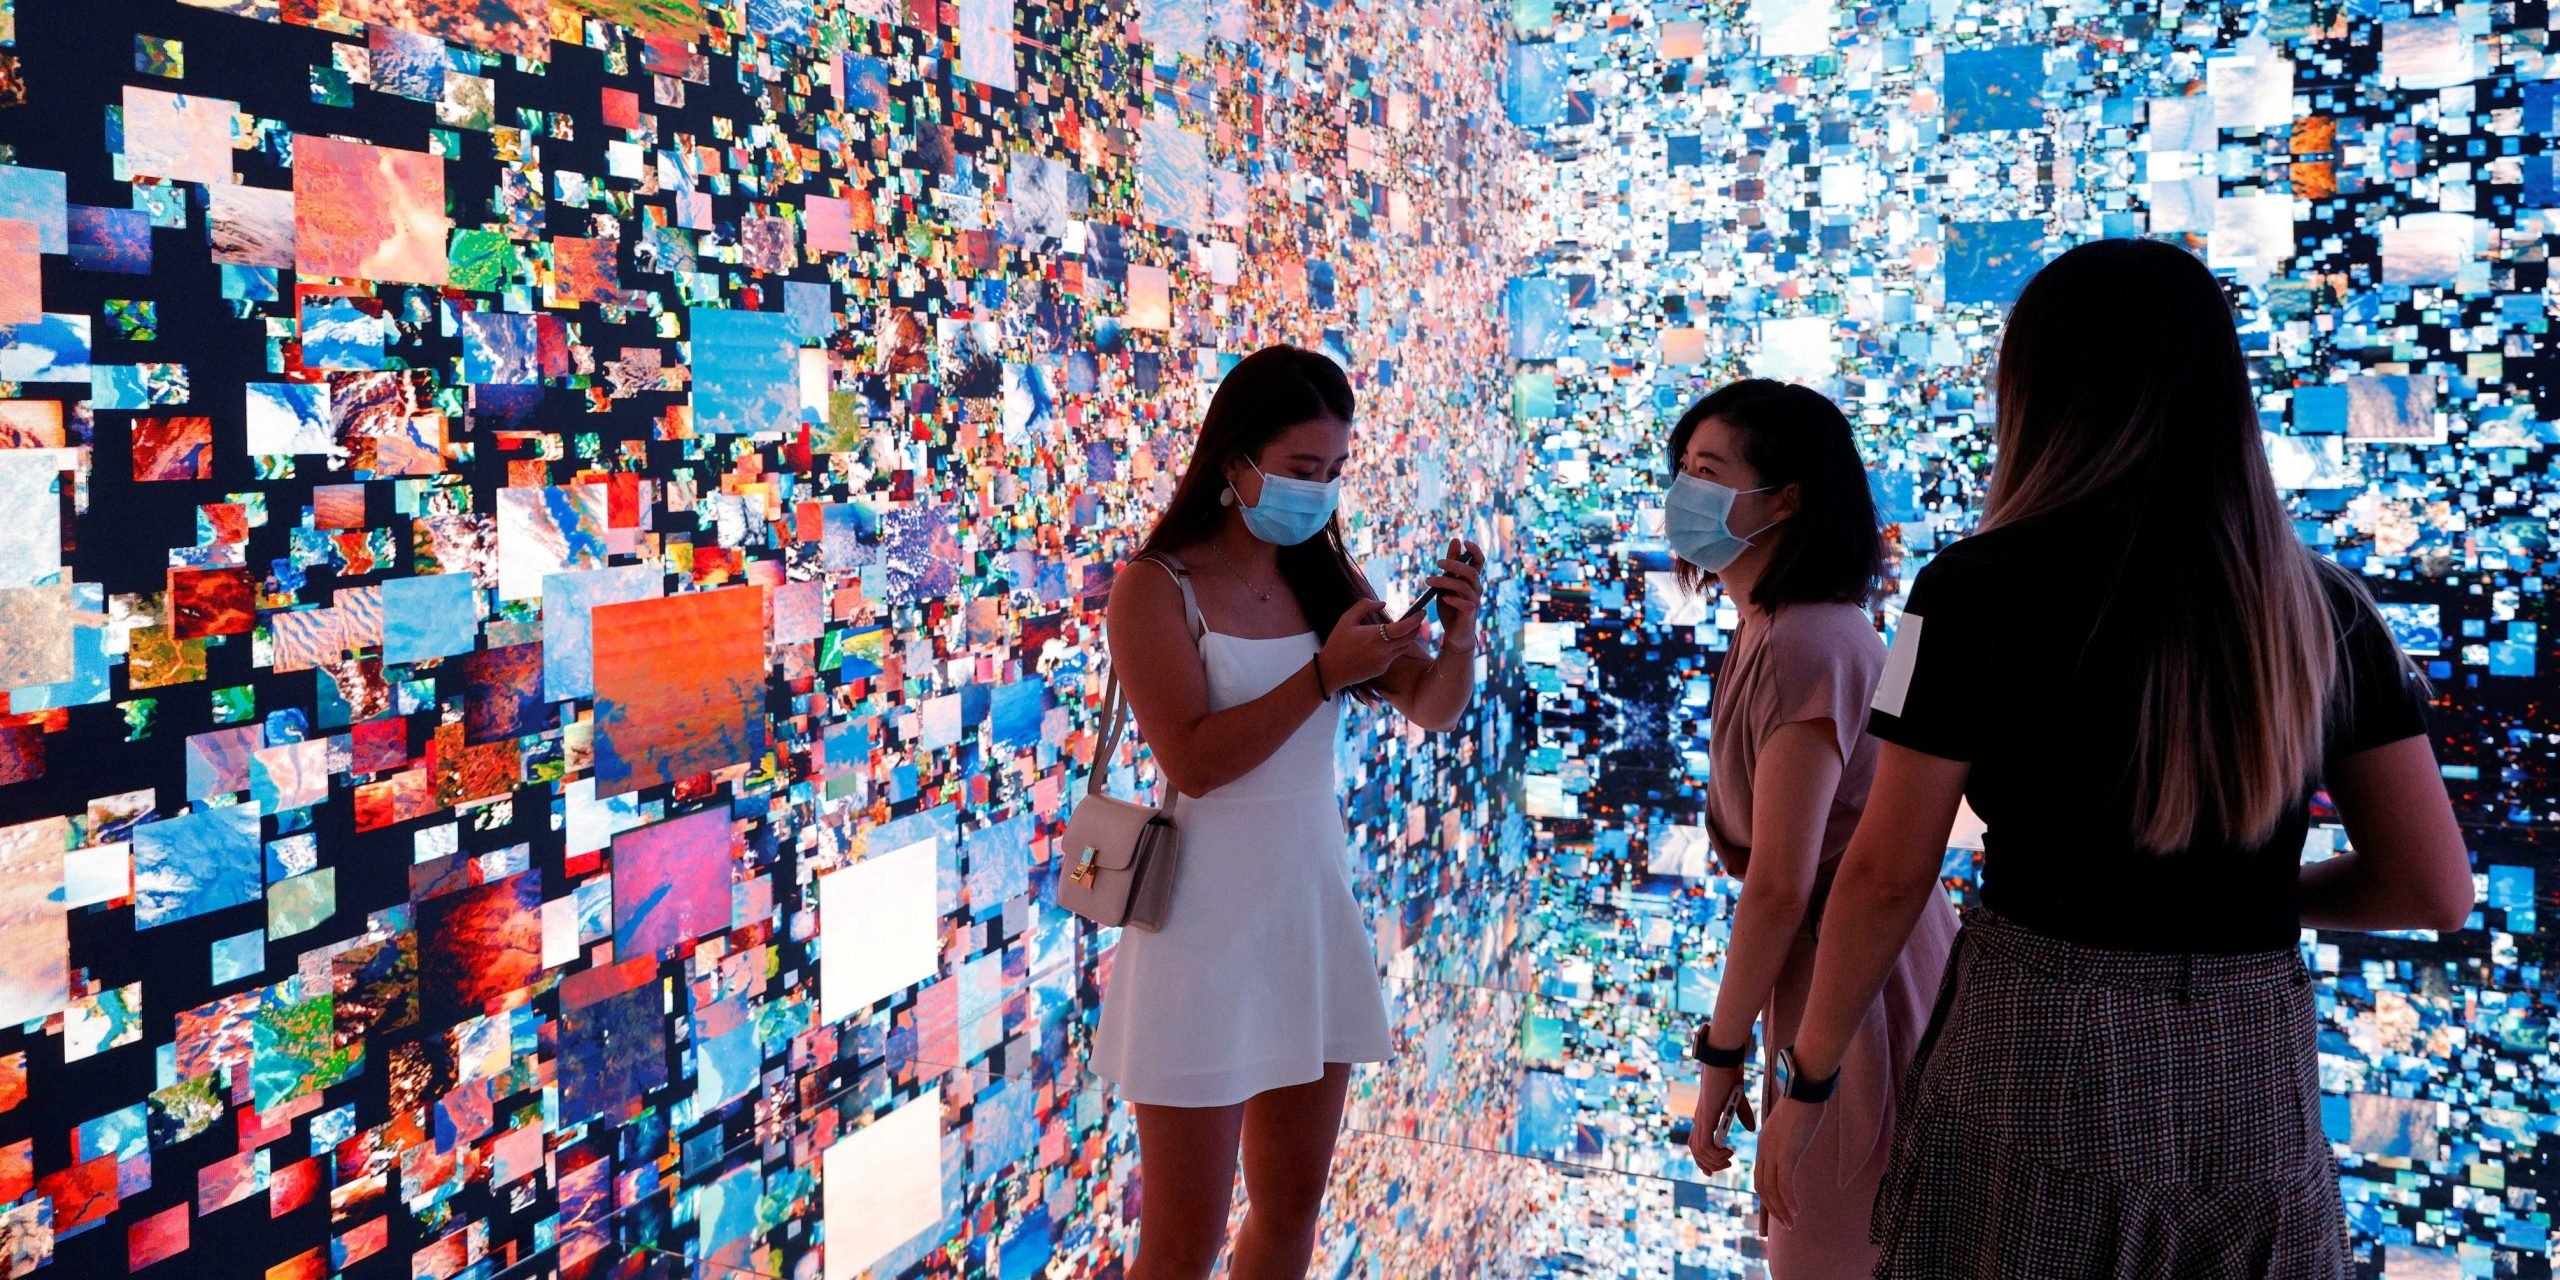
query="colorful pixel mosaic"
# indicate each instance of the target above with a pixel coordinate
(549, 558)
(1848, 196)
(556, 775)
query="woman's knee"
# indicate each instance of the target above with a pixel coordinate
(1287, 1212)
(1177, 1251)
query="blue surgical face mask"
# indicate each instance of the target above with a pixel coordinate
(1694, 522)
(1291, 510)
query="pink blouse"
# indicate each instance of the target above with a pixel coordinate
(1805, 662)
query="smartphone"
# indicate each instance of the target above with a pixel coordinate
(1433, 593)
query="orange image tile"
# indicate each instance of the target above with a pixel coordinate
(679, 686)
(30, 424)
(21, 278)
(368, 212)
(176, 448)
(583, 270)
(519, 27)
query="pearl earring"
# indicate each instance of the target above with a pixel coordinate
(1228, 498)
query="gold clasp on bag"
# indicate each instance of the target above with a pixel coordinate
(1084, 872)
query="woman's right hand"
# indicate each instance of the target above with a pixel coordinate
(1722, 1099)
(1364, 644)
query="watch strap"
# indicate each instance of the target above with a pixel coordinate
(1707, 1055)
(1796, 1087)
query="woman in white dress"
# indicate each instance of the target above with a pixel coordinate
(1233, 1026)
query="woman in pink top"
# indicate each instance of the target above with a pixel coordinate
(1769, 495)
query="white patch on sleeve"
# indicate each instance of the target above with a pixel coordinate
(1895, 683)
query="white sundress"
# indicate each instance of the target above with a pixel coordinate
(1264, 970)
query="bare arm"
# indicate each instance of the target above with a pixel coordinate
(1883, 884)
(1884, 881)
(2409, 869)
(1791, 792)
(1434, 693)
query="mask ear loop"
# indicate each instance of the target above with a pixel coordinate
(1747, 537)
(1231, 498)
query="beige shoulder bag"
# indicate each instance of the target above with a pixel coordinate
(1120, 854)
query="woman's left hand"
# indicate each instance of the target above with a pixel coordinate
(1461, 585)
(1788, 1131)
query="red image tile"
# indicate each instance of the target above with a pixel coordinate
(176, 448)
(211, 602)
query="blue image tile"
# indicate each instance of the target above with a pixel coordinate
(499, 348)
(1989, 89)
(194, 863)
(1534, 90)
(38, 196)
(1991, 261)
(1539, 327)
(239, 956)
(1174, 184)
(433, 615)
(2320, 410)
(746, 372)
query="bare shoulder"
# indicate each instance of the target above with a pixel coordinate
(1144, 591)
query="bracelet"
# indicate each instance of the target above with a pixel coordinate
(1322, 694)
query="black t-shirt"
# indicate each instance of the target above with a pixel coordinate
(2001, 660)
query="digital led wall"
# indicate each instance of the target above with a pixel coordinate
(1848, 196)
(551, 547)
(549, 565)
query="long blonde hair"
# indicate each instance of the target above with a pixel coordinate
(2121, 375)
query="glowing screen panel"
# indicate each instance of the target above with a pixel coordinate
(1848, 196)
(549, 565)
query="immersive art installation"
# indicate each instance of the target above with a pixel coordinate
(550, 556)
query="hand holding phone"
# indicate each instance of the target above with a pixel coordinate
(1711, 1122)
(1461, 571)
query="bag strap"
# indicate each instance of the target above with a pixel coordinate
(1115, 709)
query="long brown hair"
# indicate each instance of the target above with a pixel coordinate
(1267, 393)
(2121, 377)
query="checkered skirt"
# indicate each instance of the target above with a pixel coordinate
(2077, 1112)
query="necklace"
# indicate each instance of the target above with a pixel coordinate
(1260, 593)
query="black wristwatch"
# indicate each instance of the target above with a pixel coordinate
(1792, 1084)
(1707, 1055)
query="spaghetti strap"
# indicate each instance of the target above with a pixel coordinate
(1181, 578)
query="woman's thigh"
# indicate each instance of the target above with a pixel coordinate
(1288, 1141)
(1188, 1158)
